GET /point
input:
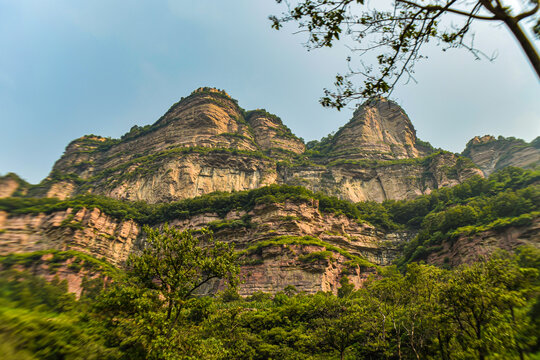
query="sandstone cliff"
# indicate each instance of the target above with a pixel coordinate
(467, 249)
(492, 154)
(379, 129)
(207, 143)
(86, 230)
(291, 243)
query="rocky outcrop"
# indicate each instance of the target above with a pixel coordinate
(185, 175)
(379, 129)
(12, 185)
(86, 230)
(492, 154)
(281, 243)
(206, 119)
(382, 180)
(8, 186)
(469, 248)
(207, 143)
(270, 133)
(277, 252)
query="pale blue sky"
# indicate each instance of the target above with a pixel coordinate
(73, 67)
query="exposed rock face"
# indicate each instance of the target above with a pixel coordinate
(8, 186)
(290, 219)
(207, 143)
(207, 119)
(467, 249)
(270, 133)
(86, 230)
(77, 273)
(185, 176)
(271, 268)
(379, 129)
(492, 154)
(268, 268)
(382, 180)
(282, 266)
(61, 190)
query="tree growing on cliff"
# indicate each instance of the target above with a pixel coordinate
(398, 33)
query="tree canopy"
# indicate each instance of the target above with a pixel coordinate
(398, 32)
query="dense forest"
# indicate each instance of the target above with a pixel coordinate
(489, 309)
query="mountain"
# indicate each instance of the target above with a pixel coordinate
(492, 154)
(207, 143)
(370, 195)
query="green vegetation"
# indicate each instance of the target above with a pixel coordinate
(510, 197)
(461, 162)
(316, 256)
(37, 258)
(478, 202)
(426, 145)
(69, 223)
(308, 240)
(487, 310)
(94, 143)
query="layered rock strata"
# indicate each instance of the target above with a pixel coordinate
(470, 248)
(492, 154)
(207, 143)
(86, 230)
(271, 237)
(380, 129)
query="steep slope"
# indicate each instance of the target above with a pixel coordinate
(492, 154)
(380, 130)
(284, 240)
(207, 143)
(287, 235)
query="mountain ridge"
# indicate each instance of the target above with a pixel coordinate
(206, 142)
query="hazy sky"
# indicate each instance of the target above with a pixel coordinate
(73, 67)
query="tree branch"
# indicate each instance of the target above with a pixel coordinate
(454, 11)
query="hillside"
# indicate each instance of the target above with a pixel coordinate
(368, 196)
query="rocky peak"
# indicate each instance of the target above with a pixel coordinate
(271, 133)
(379, 129)
(9, 184)
(206, 143)
(477, 140)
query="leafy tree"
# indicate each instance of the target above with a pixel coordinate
(339, 324)
(399, 32)
(144, 311)
(176, 264)
(481, 302)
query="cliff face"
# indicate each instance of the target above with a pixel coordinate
(86, 230)
(467, 249)
(379, 129)
(282, 243)
(382, 180)
(271, 134)
(492, 154)
(207, 143)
